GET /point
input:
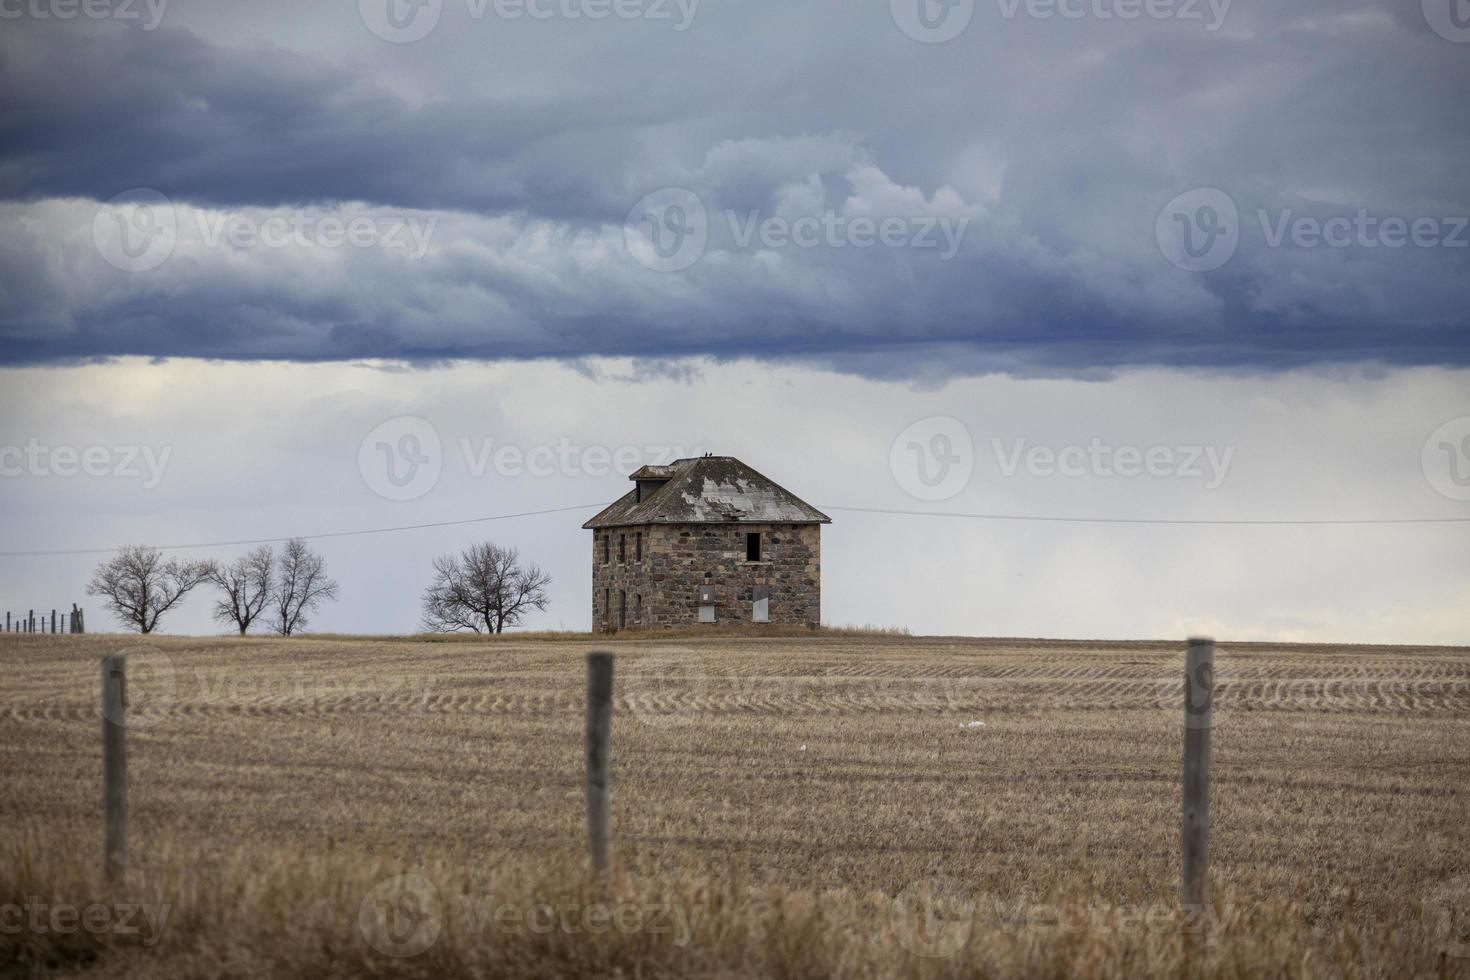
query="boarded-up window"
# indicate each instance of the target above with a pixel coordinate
(760, 611)
(706, 603)
(606, 537)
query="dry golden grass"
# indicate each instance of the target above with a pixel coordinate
(795, 802)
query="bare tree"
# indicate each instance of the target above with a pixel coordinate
(301, 586)
(484, 588)
(248, 584)
(140, 586)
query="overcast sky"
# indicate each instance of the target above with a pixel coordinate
(915, 255)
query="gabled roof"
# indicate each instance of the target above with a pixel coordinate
(708, 490)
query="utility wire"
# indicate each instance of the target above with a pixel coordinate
(1031, 518)
(307, 537)
(1161, 522)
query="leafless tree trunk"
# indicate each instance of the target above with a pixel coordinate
(301, 586)
(140, 586)
(248, 584)
(484, 588)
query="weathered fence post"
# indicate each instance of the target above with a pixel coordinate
(1199, 690)
(81, 622)
(599, 732)
(114, 765)
(53, 622)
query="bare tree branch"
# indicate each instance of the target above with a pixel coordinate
(140, 586)
(302, 585)
(248, 584)
(484, 588)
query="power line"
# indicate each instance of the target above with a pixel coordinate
(1030, 518)
(308, 537)
(1161, 522)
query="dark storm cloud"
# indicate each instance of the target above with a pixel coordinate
(98, 112)
(1054, 148)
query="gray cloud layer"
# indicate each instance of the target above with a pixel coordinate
(523, 144)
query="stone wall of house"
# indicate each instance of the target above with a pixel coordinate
(661, 589)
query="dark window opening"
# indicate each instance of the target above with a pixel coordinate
(607, 607)
(638, 546)
(622, 549)
(753, 546)
(637, 607)
(605, 539)
(622, 609)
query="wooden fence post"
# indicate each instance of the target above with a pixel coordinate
(81, 621)
(53, 622)
(599, 748)
(1199, 691)
(114, 765)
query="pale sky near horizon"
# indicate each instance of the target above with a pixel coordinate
(262, 450)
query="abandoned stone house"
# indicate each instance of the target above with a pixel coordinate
(706, 540)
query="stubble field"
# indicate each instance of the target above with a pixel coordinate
(809, 805)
